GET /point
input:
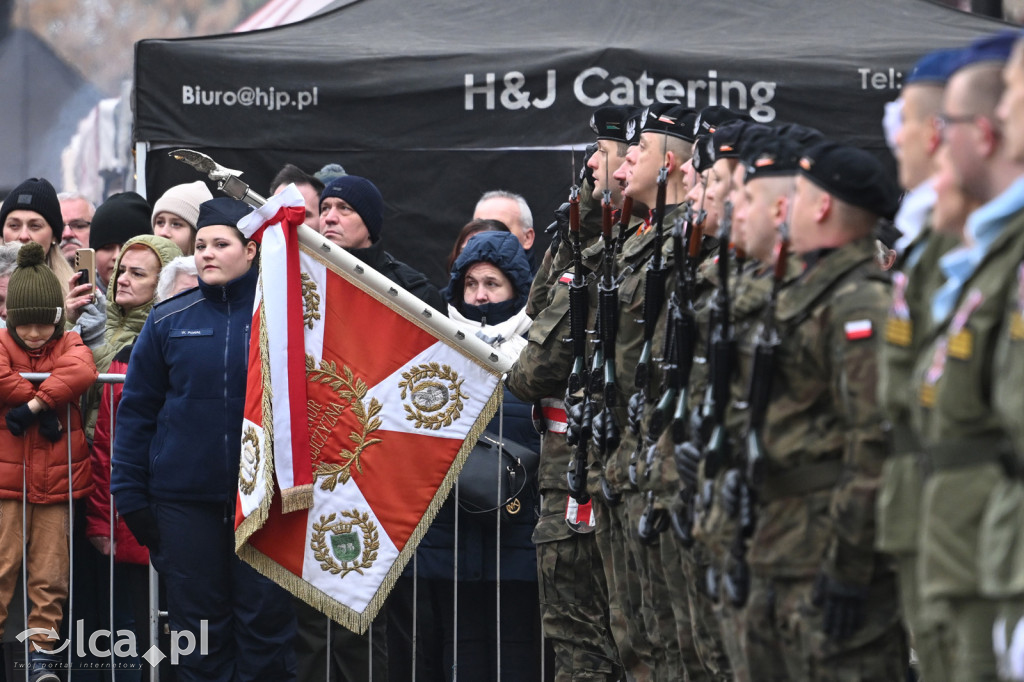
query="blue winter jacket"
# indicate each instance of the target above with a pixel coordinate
(179, 424)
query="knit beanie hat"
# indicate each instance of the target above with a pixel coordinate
(330, 173)
(363, 196)
(118, 219)
(35, 194)
(34, 295)
(183, 200)
(222, 211)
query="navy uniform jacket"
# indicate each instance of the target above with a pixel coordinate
(179, 424)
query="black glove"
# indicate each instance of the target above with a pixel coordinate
(143, 526)
(49, 426)
(687, 464)
(573, 419)
(731, 490)
(842, 605)
(635, 412)
(20, 418)
(606, 433)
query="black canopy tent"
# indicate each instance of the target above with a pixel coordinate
(439, 100)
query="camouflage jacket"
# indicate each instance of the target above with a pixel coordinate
(823, 431)
(636, 252)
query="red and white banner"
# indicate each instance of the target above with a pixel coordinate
(362, 405)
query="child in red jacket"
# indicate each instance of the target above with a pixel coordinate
(44, 459)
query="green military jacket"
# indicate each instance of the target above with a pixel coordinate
(541, 373)
(637, 250)
(751, 291)
(823, 431)
(965, 442)
(908, 324)
(1002, 530)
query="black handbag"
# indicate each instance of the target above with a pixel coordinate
(484, 488)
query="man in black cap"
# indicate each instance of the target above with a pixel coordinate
(352, 216)
(581, 630)
(812, 557)
(663, 641)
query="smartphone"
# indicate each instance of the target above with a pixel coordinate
(85, 264)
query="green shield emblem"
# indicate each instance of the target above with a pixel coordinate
(345, 546)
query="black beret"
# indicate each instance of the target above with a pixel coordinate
(711, 118)
(771, 156)
(729, 139)
(851, 175)
(669, 119)
(612, 122)
(703, 153)
(805, 136)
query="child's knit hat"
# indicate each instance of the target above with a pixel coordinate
(34, 295)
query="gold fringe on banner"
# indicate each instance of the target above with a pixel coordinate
(297, 498)
(345, 616)
(254, 521)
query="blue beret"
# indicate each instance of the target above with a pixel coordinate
(993, 48)
(935, 67)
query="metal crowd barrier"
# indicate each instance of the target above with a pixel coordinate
(157, 617)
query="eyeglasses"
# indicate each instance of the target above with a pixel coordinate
(944, 121)
(78, 225)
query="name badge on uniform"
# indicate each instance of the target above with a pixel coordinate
(189, 333)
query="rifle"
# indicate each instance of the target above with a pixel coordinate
(576, 477)
(737, 578)
(606, 432)
(722, 357)
(760, 389)
(654, 298)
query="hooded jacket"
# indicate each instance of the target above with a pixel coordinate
(477, 540)
(179, 424)
(45, 464)
(122, 326)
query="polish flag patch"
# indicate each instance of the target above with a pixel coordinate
(858, 329)
(566, 278)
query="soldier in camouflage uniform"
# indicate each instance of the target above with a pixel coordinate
(707, 196)
(966, 445)
(573, 589)
(663, 142)
(758, 212)
(916, 274)
(823, 603)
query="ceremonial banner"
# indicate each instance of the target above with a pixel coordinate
(362, 406)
